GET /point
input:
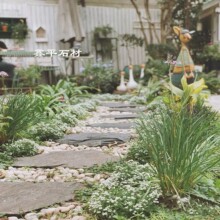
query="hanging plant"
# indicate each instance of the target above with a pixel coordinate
(101, 38)
(20, 31)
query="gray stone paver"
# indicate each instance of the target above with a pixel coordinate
(94, 139)
(214, 101)
(135, 110)
(70, 159)
(121, 116)
(120, 125)
(19, 198)
(118, 105)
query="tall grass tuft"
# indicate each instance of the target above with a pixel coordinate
(17, 114)
(182, 146)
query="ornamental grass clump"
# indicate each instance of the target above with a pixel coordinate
(129, 193)
(182, 146)
(17, 114)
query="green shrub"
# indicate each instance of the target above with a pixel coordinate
(51, 104)
(100, 77)
(130, 192)
(182, 146)
(160, 51)
(66, 88)
(81, 110)
(138, 152)
(210, 52)
(21, 148)
(157, 68)
(29, 76)
(212, 81)
(67, 117)
(18, 112)
(48, 130)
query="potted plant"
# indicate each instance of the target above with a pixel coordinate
(4, 27)
(20, 31)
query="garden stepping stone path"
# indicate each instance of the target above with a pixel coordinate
(70, 159)
(94, 139)
(20, 195)
(121, 125)
(121, 116)
(19, 198)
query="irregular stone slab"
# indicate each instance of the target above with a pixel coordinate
(71, 159)
(125, 125)
(19, 198)
(214, 101)
(122, 116)
(118, 105)
(94, 139)
(128, 109)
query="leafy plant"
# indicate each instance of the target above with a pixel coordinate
(48, 130)
(182, 146)
(20, 31)
(210, 52)
(129, 41)
(138, 152)
(212, 81)
(28, 76)
(5, 160)
(17, 114)
(130, 192)
(67, 117)
(156, 67)
(51, 104)
(100, 77)
(152, 89)
(160, 51)
(190, 94)
(21, 148)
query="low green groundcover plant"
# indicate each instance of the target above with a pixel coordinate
(130, 192)
(67, 117)
(5, 160)
(21, 148)
(48, 130)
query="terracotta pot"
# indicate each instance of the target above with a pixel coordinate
(4, 28)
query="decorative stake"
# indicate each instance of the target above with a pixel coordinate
(122, 87)
(131, 83)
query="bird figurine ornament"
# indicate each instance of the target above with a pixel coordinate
(131, 83)
(142, 71)
(122, 87)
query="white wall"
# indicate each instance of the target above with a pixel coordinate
(123, 21)
(37, 13)
(44, 13)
